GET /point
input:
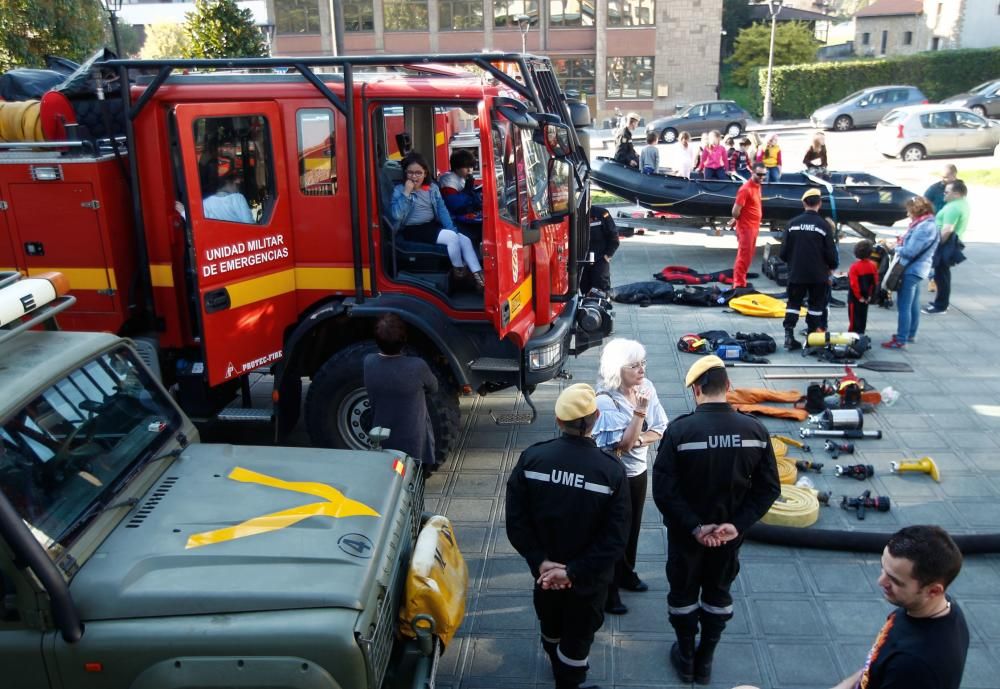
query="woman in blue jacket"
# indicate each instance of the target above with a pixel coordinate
(916, 252)
(420, 215)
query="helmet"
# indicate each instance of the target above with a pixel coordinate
(693, 344)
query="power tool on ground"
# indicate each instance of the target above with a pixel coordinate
(843, 447)
(865, 501)
(808, 465)
(858, 471)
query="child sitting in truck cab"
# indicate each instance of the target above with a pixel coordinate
(222, 199)
(420, 215)
(464, 201)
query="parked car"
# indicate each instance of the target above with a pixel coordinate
(983, 99)
(918, 131)
(866, 107)
(700, 118)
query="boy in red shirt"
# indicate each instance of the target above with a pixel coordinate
(863, 277)
(747, 214)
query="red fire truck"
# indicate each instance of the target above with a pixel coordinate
(290, 277)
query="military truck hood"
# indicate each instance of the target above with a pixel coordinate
(232, 529)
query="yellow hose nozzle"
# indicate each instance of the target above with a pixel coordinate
(924, 465)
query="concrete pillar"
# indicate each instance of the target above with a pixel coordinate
(379, 25)
(326, 26)
(487, 25)
(601, 58)
(434, 25)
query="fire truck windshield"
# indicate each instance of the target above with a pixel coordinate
(69, 449)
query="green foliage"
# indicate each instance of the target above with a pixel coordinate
(164, 40)
(219, 28)
(129, 36)
(794, 43)
(797, 91)
(32, 29)
(735, 16)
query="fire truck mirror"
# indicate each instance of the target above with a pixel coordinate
(560, 177)
(515, 112)
(555, 138)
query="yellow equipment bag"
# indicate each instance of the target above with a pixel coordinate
(760, 305)
(436, 583)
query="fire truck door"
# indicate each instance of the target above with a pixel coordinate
(240, 224)
(7, 261)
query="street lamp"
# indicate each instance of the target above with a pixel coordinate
(523, 21)
(113, 7)
(722, 55)
(268, 30)
(774, 7)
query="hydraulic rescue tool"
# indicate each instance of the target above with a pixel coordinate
(836, 449)
(808, 465)
(856, 434)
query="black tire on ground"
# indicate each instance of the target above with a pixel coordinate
(979, 110)
(668, 135)
(734, 129)
(913, 152)
(338, 413)
(843, 123)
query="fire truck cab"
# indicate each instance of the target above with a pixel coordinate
(260, 234)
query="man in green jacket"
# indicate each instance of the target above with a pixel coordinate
(951, 221)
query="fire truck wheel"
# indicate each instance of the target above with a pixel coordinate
(339, 415)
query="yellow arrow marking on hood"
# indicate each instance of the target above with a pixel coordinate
(335, 504)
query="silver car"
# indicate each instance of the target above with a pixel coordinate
(918, 131)
(866, 107)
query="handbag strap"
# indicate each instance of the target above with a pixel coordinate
(917, 257)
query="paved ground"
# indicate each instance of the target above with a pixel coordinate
(804, 618)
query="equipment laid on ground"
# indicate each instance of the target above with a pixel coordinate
(924, 465)
(836, 449)
(776, 269)
(855, 434)
(839, 419)
(795, 506)
(787, 471)
(866, 501)
(792, 441)
(809, 465)
(875, 365)
(858, 471)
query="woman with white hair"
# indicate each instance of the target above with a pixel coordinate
(631, 420)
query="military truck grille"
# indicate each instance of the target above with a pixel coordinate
(154, 500)
(378, 646)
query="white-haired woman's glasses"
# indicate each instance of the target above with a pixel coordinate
(637, 365)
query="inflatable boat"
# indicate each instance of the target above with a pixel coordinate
(847, 196)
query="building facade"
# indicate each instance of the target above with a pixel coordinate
(644, 55)
(905, 27)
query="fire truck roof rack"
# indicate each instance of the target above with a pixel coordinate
(537, 85)
(28, 302)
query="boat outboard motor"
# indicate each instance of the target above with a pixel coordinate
(594, 320)
(579, 112)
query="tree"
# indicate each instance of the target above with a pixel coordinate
(219, 28)
(129, 36)
(794, 44)
(32, 29)
(735, 16)
(164, 40)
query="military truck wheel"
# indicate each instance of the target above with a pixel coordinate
(339, 415)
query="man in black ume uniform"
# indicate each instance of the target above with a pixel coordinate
(715, 475)
(568, 516)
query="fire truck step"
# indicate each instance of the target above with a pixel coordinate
(245, 414)
(513, 418)
(495, 364)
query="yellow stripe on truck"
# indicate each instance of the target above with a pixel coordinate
(260, 288)
(82, 278)
(161, 274)
(333, 279)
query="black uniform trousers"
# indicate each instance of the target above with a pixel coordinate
(816, 311)
(625, 568)
(597, 274)
(569, 621)
(942, 278)
(700, 579)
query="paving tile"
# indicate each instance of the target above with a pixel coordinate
(508, 573)
(470, 509)
(772, 577)
(973, 441)
(488, 459)
(502, 658)
(849, 616)
(471, 539)
(976, 579)
(979, 514)
(475, 484)
(927, 512)
(981, 669)
(797, 617)
(838, 577)
(802, 665)
(982, 616)
(652, 543)
(503, 613)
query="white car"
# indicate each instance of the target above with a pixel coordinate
(918, 131)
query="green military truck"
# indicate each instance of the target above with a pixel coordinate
(132, 555)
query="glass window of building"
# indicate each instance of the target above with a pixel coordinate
(460, 15)
(405, 15)
(630, 77)
(359, 15)
(576, 73)
(506, 12)
(297, 16)
(631, 12)
(571, 13)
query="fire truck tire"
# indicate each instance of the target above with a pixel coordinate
(338, 413)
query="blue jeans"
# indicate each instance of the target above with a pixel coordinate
(774, 174)
(908, 306)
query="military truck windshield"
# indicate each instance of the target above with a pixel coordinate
(68, 451)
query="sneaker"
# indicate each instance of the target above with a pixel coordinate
(911, 340)
(894, 344)
(930, 308)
